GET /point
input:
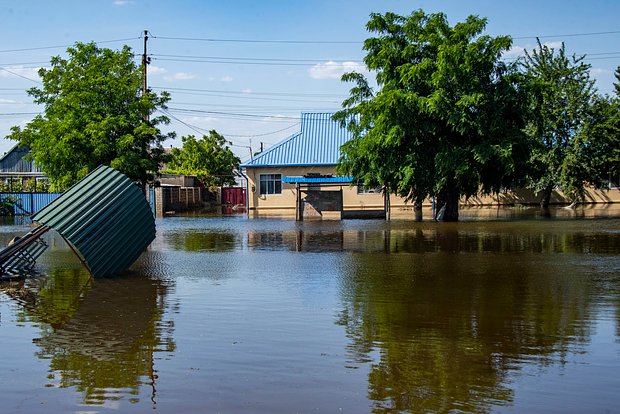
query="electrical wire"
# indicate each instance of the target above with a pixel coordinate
(246, 58)
(20, 76)
(234, 114)
(568, 35)
(28, 49)
(232, 62)
(287, 41)
(332, 95)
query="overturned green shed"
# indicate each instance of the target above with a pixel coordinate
(105, 218)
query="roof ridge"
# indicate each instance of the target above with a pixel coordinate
(275, 147)
(317, 143)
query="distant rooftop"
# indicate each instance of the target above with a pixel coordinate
(318, 143)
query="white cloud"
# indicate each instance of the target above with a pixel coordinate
(514, 52)
(8, 101)
(122, 2)
(600, 72)
(247, 91)
(518, 51)
(156, 70)
(180, 76)
(334, 70)
(553, 45)
(20, 71)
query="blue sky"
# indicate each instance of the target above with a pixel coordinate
(253, 92)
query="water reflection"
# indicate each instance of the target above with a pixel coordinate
(100, 335)
(200, 241)
(379, 316)
(428, 237)
(447, 332)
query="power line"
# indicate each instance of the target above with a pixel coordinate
(288, 41)
(569, 35)
(198, 129)
(234, 114)
(247, 58)
(18, 75)
(28, 49)
(248, 62)
(254, 108)
(24, 63)
(266, 133)
(331, 95)
(280, 41)
(257, 98)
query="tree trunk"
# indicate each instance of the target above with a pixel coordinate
(546, 197)
(386, 204)
(417, 209)
(448, 203)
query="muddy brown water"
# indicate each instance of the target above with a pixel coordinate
(503, 312)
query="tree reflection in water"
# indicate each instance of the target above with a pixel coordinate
(447, 330)
(100, 335)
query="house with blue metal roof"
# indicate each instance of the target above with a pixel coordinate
(297, 177)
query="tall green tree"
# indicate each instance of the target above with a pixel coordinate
(208, 158)
(598, 143)
(447, 118)
(94, 113)
(561, 95)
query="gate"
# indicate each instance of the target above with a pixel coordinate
(233, 196)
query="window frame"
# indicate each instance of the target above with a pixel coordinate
(269, 184)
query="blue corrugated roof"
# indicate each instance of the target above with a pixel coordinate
(318, 143)
(316, 180)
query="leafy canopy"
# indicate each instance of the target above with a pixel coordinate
(447, 118)
(561, 96)
(94, 113)
(596, 147)
(208, 158)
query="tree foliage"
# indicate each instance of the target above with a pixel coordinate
(208, 158)
(561, 95)
(598, 142)
(94, 113)
(446, 120)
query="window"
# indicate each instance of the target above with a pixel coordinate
(361, 189)
(270, 184)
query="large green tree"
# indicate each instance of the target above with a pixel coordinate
(209, 158)
(594, 155)
(561, 94)
(94, 113)
(446, 120)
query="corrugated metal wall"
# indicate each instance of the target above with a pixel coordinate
(106, 217)
(30, 203)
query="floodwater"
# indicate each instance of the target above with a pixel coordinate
(230, 315)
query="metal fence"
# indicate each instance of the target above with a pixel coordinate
(27, 204)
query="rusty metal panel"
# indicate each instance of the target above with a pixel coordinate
(105, 217)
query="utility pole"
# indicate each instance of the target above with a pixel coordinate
(144, 144)
(145, 62)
